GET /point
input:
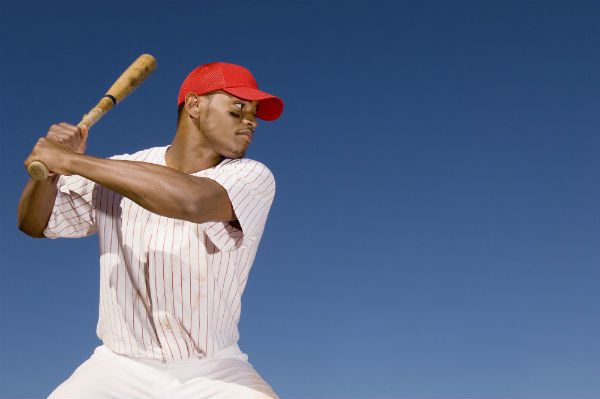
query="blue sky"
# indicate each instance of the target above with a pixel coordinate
(435, 232)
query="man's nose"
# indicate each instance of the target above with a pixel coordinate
(250, 121)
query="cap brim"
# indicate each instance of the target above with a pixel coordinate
(270, 107)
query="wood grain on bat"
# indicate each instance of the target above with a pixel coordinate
(123, 86)
(133, 76)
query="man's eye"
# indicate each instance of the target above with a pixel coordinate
(234, 114)
(240, 106)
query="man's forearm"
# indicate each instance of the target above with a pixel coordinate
(159, 189)
(35, 205)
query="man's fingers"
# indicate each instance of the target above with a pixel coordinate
(50, 152)
(84, 132)
(64, 127)
(68, 126)
(62, 138)
(58, 135)
(69, 135)
(83, 142)
(45, 142)
(57, 130)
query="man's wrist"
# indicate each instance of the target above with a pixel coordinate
(72, 162)
(50, 180)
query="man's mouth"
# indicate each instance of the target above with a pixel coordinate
(247, 134)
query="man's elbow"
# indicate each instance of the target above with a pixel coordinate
(193, 211)
(209, 210)
(31, 232)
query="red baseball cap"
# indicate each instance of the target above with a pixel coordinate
(235, 80)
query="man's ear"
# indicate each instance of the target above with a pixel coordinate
(194, 104)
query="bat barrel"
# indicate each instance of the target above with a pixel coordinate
(133, 76)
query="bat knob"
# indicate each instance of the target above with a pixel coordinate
(38, 171)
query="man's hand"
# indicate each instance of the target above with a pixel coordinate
(70, 136)
(61, 141)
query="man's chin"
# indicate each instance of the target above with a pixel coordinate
(237, 154)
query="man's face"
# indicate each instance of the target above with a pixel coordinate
(228, 124)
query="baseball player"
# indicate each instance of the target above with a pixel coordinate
(178, 229)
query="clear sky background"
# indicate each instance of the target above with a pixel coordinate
(436, 227)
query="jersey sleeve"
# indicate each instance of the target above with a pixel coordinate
(251, 189)
(73, 214)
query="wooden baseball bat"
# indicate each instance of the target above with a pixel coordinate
(125, 84)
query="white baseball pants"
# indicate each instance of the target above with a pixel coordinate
(107, 375)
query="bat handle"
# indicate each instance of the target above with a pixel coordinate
(38, 171)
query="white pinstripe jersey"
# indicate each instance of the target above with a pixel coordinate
(169, 289)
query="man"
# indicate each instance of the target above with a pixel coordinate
(178, 229)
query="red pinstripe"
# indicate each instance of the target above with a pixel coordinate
(115, 232)
(157, 304)
(190, 280)
(245, 263)
(122, 255)
(142, 235)
(101, 239)
(125, 273)
(181, 333)
(200, 288)
(214, 288)
(206, 323)
(206, 313)
(165, 293)
(221, 289)
(76, 215)
(181, 279)
(153, 297)
(139, 284)
(137, 281)
(110, 296)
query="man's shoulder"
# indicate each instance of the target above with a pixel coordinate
(153, 155)
(243, 165)
(245, 171)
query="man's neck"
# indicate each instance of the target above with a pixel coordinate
(187, 153)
